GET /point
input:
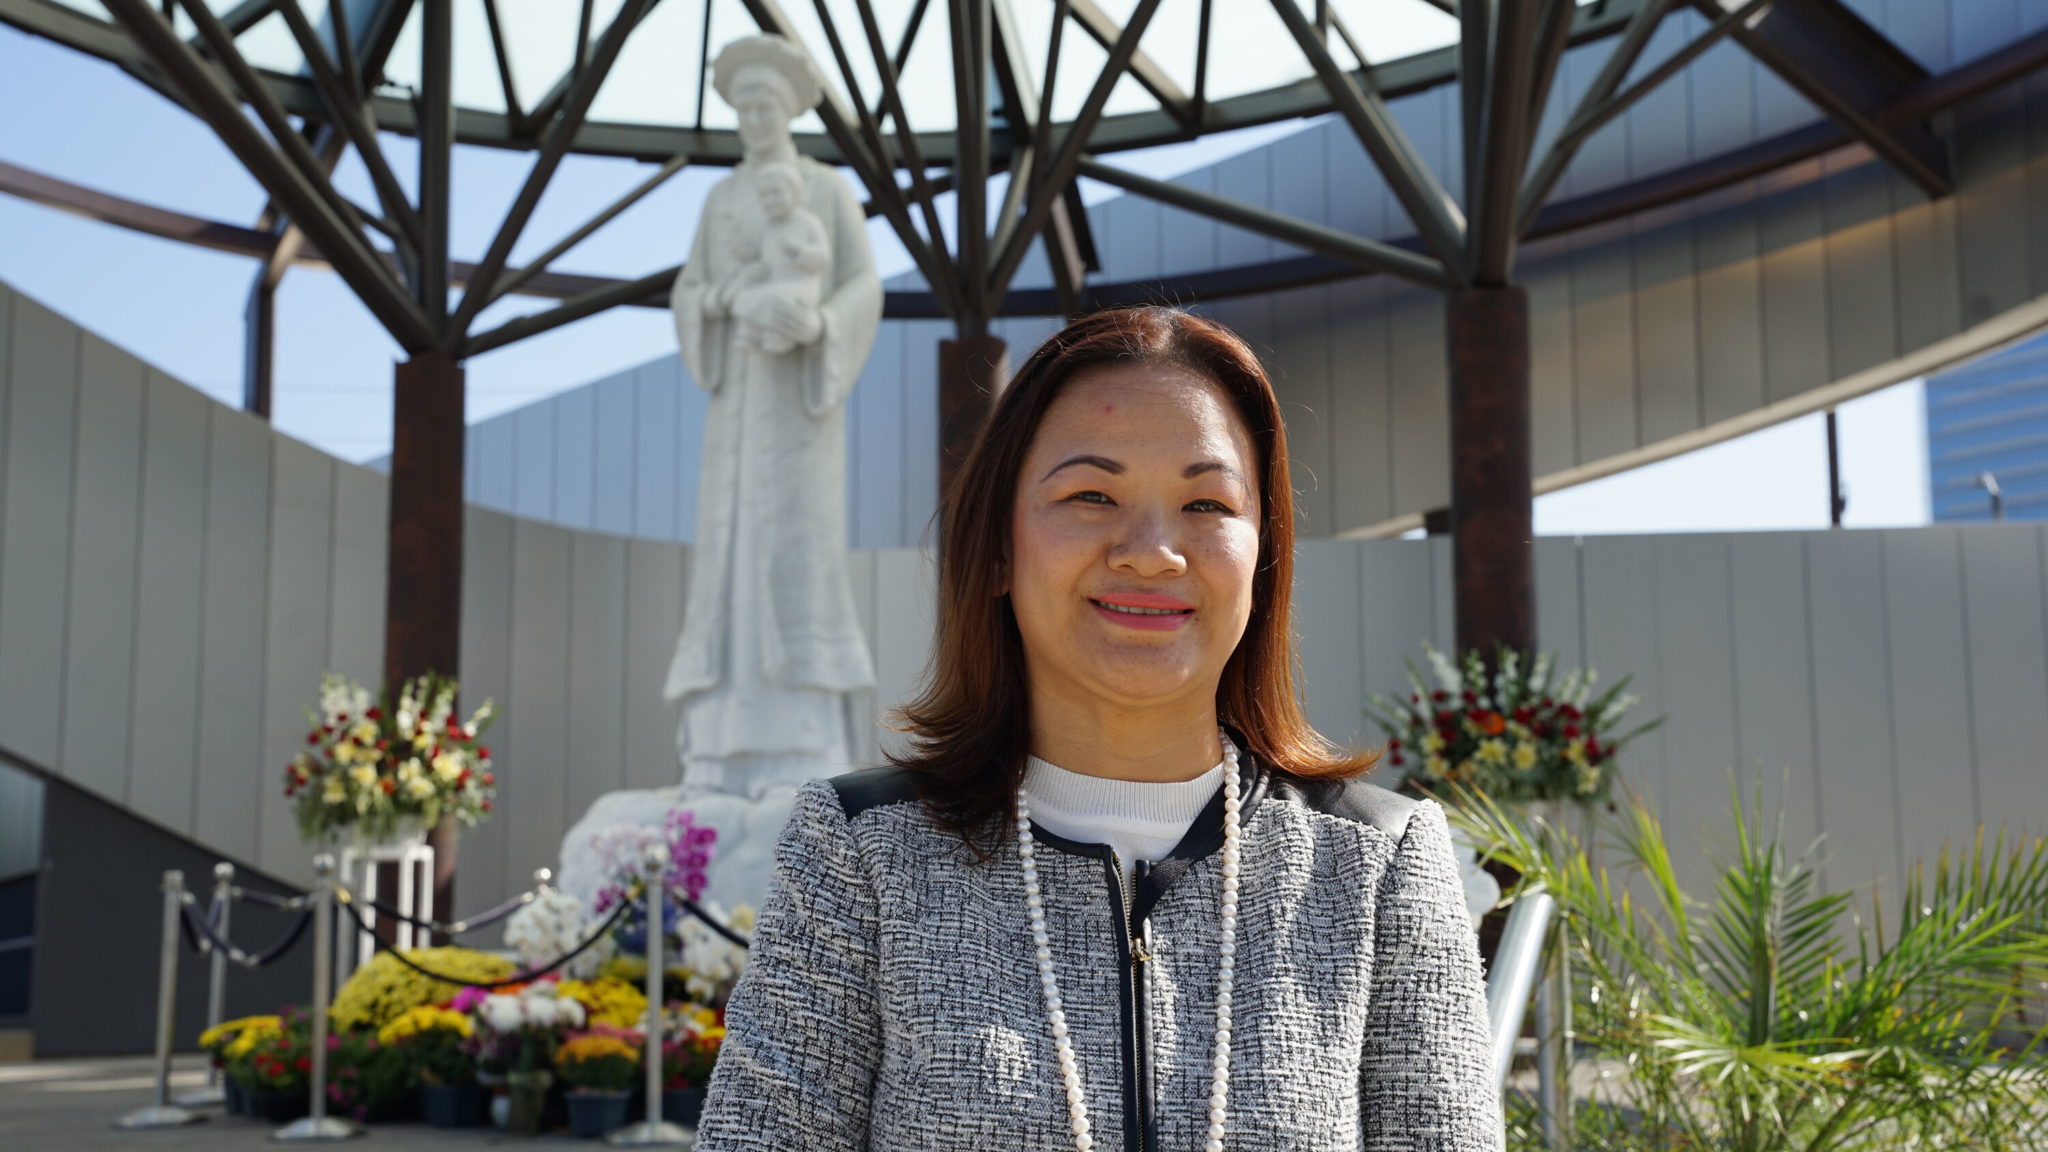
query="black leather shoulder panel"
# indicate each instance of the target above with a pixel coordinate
(874, 788)
(1353, 799)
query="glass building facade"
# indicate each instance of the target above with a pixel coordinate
(1987, 427)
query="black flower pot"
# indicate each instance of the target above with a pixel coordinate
(233, 1097)
(452, 1105)
(592, 1114)
(683, 1106)
(278, 1107)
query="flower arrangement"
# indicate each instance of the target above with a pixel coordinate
(623, 850)
(272, 1059)
(232, 1039)
(1513, 731)
(691, 1036)
(518, 1030)
(552, 926)
(384, 989)
(370, 768)
(435, 1042)
(597, 1062)
(366, 1078)
(606, 1001)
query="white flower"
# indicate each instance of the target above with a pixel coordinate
(569, 1013)
(502, 1013)
(1446, 673)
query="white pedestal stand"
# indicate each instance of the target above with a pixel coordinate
(415, 860)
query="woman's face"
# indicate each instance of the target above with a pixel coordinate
(1134, 538)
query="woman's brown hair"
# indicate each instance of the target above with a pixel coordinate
(970, 723)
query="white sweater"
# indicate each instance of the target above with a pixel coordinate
(1138, 819)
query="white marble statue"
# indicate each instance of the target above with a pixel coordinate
(775, 312)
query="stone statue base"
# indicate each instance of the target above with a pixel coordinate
(741, 861)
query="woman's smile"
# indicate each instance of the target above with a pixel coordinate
(1144, 611)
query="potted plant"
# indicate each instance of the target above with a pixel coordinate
(274, 1069)
(389, 772)
(598, 1068)
(435, 1042)
(515, 1036)
(367, 1080)
(691, 1037)
(228, 1043)
(1758, 1011)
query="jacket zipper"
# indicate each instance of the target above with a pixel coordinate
(1135, 944)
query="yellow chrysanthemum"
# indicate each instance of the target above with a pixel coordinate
(425, 1018)
(607, 1000)
(382, 990)
(228, 1028)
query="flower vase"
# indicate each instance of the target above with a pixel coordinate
(528, 1092)
(410, 832)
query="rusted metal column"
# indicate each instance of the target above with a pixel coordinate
(1493, 542)
(423, 569)
(972, 371)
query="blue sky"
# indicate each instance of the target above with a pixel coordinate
(180, 307)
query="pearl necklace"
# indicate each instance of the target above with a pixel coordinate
(1063, 1048)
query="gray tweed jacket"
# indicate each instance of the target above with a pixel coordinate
(891, 1000)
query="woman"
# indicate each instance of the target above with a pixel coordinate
(1118, 894)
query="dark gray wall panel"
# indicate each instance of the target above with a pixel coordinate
(533, 471)
(355, 631)
(904, 584)
(1929, 285)
(1730, 300)
(1852, 701)
(487, 630)
(1930, 708)
(301, 606)
(1790, 236)
(1862, 321)
(1245, 178)
(1604, 341)
(35, 528)
(597, 670)
(617, 446)
(1695, 687)
(1304, 387)
(169, 603)
(1361, 468)
(231, 751)
(576, 458)
(657, 452)
(1326, 617)
(2007, 678)
(1560, 617)
(1553, 422)
(1773, 678)
(1419, 428)
(654, 615)
(1666, 326)
(532, 785)
(106, 512)
(1396, 611)
(1991, 208)
(495, 445)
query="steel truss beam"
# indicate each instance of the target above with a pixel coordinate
(1850, 71)
(1104, 30)
(1025, 107)
(345, 249)
(930, 255)
(1429, 207)
(1366, 254)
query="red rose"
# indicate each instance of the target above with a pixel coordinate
(305, 1063)
(1394, 758)
(487, 808)
(462, 779)
(1571, 731)
(1394, 744)
(313, 737)
(374, 714)
(489, 779)
(483, 751)
(1469, 696)
(383, 744)
(341, 719)
(1437, 695)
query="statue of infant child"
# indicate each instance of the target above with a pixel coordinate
(795, 252)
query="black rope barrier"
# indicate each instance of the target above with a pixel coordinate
(355, 914)
(202, 935)
(694, 909)
(455, 927)
(271, 899)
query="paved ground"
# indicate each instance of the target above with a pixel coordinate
(71, 1106)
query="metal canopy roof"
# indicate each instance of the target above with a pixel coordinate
(1201, 65)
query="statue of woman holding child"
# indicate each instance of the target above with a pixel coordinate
(776, 312)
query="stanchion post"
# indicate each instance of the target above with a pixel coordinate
(163, 1113)
(216, 985)
(653, 1130)
(319, 1125)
